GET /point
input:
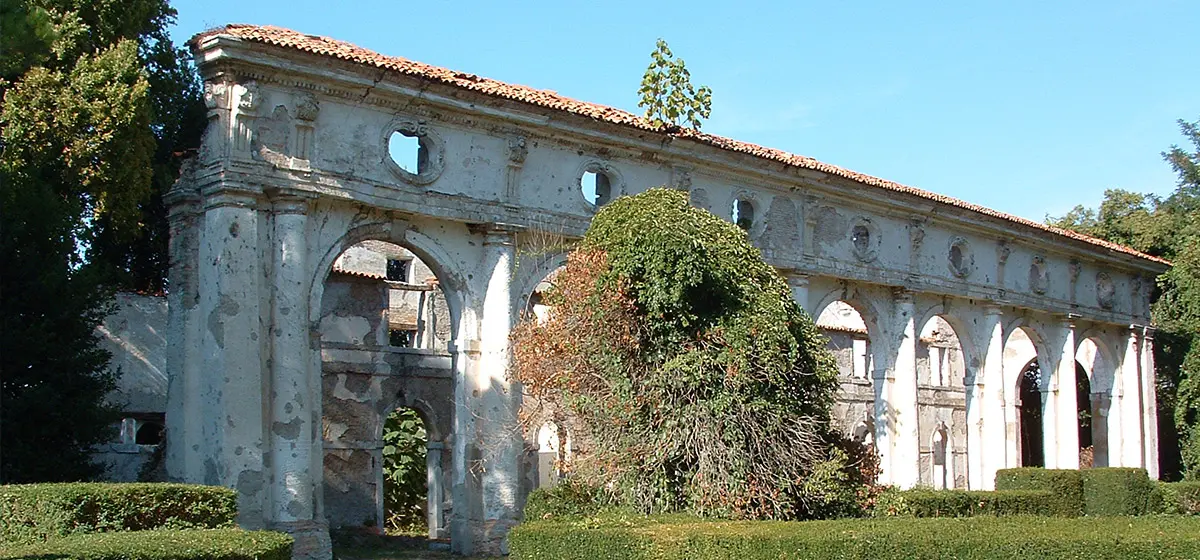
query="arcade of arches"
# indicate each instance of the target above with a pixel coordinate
(954, 325)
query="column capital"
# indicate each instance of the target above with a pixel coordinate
(794, 276)
(991, 308)
(288, 200)
(1067, 320)
(902, 295)
(1148, 332)
(496, 233)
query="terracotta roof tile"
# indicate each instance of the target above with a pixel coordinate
(549, 99)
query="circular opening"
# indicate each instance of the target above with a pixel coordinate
(861, 236)
(596, 187)
(408, 151)
(743, 213)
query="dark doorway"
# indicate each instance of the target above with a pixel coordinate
(1083, 406)
(1030, 405)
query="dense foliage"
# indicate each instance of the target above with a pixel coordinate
(97, 106)
(701, 384)
(923, 502)
(667, 92)
(1169, 228)
(404, 471)
(164, 544)
(978, 538)
(35, 512)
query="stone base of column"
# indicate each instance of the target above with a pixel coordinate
(487, 538)
(312, 539)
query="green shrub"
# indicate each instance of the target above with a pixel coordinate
(978, 538)
(1176, 498)
(1116, 491)
(1066, 485)
(34, 512)
(966, 503)
(568, 498)
(163, 544)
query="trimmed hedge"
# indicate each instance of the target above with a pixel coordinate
(187, 544)
(1116, 491)
(978, 538)
(1066, 485)
(37, 512)
(965, 503)
(1176, 497)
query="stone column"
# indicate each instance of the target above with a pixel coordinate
(798, 282)
(293, 413)
(183, 336)
(232, 408)
(986, 420)
(1129, 400)
(902, 402)
(490, 440)
(433, 482)
(1067, 436)
(1149, 404)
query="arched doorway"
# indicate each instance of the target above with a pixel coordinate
(1030, 404)
(941, 377)
(387, 392)
(1095, 375)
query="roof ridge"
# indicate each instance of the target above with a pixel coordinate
(327, 46)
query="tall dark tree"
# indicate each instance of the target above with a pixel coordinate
(95, 106)
(1169, 228)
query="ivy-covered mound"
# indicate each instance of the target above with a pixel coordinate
(700, 383)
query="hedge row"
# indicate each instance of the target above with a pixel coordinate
(1065, 485)
(186, 544)
(966, 503)
(37, 512)
(978, 538)
(1117, 491)
(1177, 497)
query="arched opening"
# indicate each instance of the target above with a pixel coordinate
(940, 355)
(1030, 406)
(1025, 408)
(554, 453)
(387, 393)
(405, 473)
(942, 459)
(408, 151)
(849, 340)
(1095, 375)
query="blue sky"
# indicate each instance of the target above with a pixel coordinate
(1028, 107)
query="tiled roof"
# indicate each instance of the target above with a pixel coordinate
(326, 46)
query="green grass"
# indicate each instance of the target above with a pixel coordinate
(977, 538)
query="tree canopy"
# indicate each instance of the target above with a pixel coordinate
(97, 104)
(700, 383)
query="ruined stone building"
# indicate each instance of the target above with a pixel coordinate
(955, 325)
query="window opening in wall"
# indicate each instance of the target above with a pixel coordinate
(596, 187)
(397, 269)
(149, 432)
(402, 338)
(743, 213)
(956, 257)
(861, 236)
(409, 152)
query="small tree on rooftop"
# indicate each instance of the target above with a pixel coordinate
(700, 383)
(667, 92)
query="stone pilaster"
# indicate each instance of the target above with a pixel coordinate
(183, 459)
(1066, 407)
(1149, 404)
(986, 416)
(490, 439)
(902, 393)
(798, 282)
(233, 442)
(1129, 400)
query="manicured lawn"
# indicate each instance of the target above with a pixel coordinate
(977, 538)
